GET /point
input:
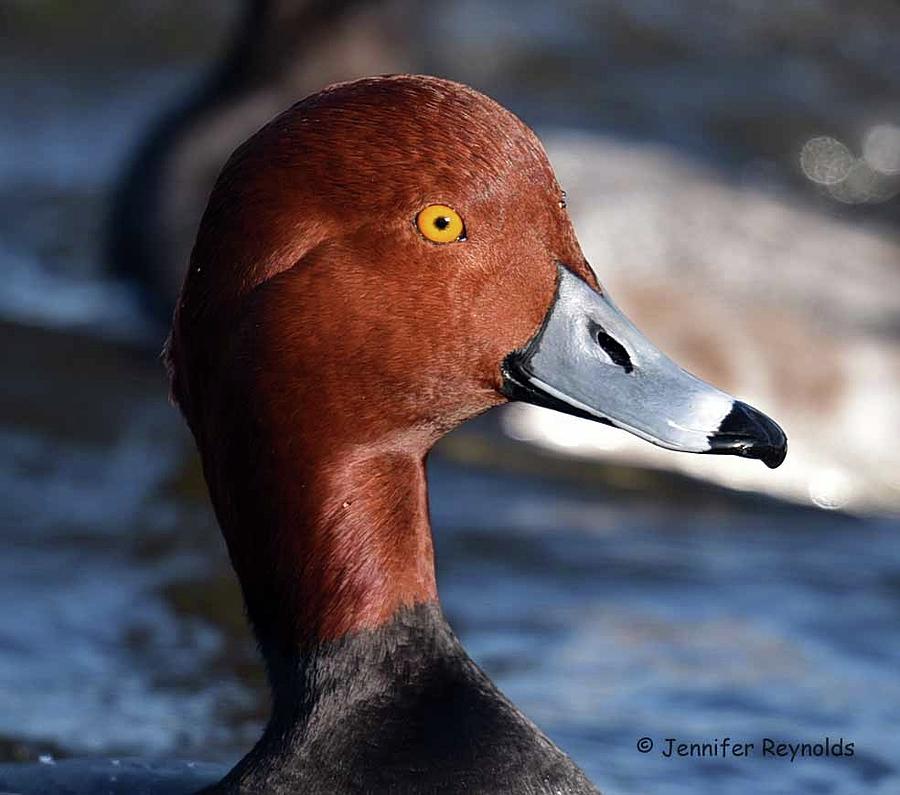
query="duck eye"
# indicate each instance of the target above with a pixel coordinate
(441, 224)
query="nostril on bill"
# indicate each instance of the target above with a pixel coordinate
(613, 348)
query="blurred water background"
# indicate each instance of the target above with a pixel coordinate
(733, 170)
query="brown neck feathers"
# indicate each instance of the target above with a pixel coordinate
(326, 546)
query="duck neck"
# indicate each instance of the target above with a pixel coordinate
(345, 544)
(270, 35)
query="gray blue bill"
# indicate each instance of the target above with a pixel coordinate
(589, 359)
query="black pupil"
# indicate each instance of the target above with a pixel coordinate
(442, 222)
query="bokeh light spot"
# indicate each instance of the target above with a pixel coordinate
(826, 160)
(881, 148)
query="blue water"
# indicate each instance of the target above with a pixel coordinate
(611, 622)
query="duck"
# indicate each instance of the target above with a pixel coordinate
(383, 261)
(277, 50)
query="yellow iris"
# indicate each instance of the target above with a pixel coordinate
(441, 224)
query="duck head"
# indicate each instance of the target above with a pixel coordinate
(383, 261)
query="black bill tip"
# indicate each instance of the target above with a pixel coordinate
(751, 434)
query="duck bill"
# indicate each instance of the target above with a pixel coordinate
(589, 360)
